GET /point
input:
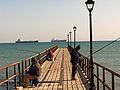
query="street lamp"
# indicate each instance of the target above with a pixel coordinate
(74, 28)
(90, 5)
(70, 37)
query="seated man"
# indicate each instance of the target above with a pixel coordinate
(33, 72)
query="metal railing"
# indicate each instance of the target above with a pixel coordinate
(107, 77)
(13, 76)
(85, 66)
(17, 70)
(104, 78)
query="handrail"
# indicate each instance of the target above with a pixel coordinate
(105, 73)
(10, 65)
(109, 70)
(20, 68)
(16, 73)
(99, 76)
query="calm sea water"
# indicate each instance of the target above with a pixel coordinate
(13, 52)
(109, 56)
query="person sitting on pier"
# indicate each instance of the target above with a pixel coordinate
(75, 60)
(33, 73)
(50, 55)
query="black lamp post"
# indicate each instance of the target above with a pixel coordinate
(90, 5)
(70, 38)
(74, 28)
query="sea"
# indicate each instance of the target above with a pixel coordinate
(108, 56)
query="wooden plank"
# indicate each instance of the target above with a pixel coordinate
(65, 87)
(57, 75)
(47, 71)
(69, 75)
(53, 70)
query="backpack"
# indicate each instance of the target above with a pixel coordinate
(33, 70)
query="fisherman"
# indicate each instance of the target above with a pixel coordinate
(75, 60)
(33, 73)
(50, 55)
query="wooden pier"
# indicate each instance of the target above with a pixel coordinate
(56, 75)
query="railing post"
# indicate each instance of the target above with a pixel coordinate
(103, 79)
(113, 82)
(22, 68)
(15, 76)
(97, 77)
(7, 83)
(85, 67)
(89, 70)
(29, 62)
(25, 63)
(19, 73)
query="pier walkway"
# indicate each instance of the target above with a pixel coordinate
(56, 75)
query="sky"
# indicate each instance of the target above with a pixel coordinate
(44, 19)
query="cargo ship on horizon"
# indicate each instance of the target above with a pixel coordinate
(58, 40)
(19, 41)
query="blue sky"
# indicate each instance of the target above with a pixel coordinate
(44, 19)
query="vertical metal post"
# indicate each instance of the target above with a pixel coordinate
(103, 79)
(113, 82)
(97, 78)
(90, 5)
(74, 37)
(7, 83)
(70, 39)
(25, 64)
(91, 54)
(22, 68)
(19, 74)
(85, 67)
(89, 70)
(15, 77)
(29, 61)
(74, 28)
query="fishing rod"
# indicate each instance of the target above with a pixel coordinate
(105, 46)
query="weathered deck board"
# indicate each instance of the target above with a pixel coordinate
(57, 75)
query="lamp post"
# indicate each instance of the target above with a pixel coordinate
(74, 28)
(70, 38)
(90, 5)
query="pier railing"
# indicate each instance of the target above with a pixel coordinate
(109, 79)
(15, 72)
(104, 78)
(10, 76)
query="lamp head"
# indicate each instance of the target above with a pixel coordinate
(74, 28)
(90, 5)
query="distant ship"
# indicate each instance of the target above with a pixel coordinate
(19, 41)
(57, 40)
